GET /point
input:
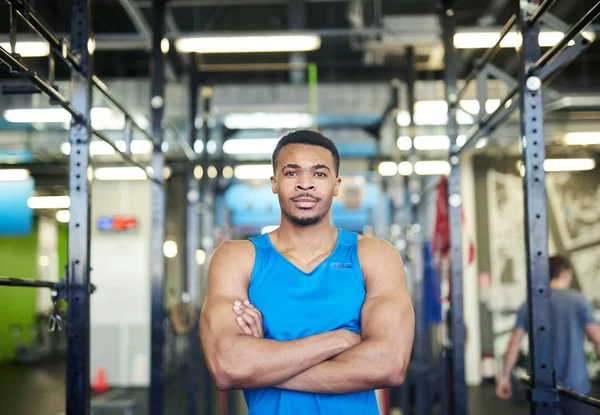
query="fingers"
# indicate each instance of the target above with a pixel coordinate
(250, 317)
(255, 314)
(244, 326)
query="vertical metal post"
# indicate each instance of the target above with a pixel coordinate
(78, 292)
(541, 365)
(414, 236)
(158, 210)
(457, 370)
(192, 231)
(207, 198)
(297, 21)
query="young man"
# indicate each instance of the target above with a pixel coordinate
(572, 318)
(308, 319)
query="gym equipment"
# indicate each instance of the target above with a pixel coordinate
(535, 71)
(77, 55)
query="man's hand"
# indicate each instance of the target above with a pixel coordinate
(249, 319)
(504, 388)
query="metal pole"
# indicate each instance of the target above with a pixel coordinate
(78, 277)
(537, 14)
(158, 211)
(457, 375)
(207, 198)
(589, 17)
(192, 230)
(415, 254)
(541, 362)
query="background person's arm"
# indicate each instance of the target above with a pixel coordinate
(387, 320)
(245, 362)
(591, 327)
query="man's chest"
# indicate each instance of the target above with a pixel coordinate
(294, 305)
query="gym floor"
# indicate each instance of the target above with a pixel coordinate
(40, 390)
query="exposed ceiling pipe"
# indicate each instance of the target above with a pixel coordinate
(143, 28)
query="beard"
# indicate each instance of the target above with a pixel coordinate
(305, 221)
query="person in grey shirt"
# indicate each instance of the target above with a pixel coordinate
(572, 318)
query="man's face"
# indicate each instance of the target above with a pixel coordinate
(305, 182)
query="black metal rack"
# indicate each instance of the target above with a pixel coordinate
(78, 55)
(526, 93)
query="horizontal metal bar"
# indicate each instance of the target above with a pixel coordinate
(105, 91)
(564, 42)
(493, 51)
(182, 143)
(68, 57)
(588, 400)
(488, 55)
(127, 157)
(490, 122)
(19, 282)
(540, 10)
(213, 3)
(39, 83)
(35, 24)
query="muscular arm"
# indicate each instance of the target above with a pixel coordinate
(592, 330)
(512, 352)
(245, 362)
(387, 319)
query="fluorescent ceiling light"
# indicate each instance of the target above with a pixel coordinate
(404, 143)
(248, 44)
(200, 257)
(63, 216)
(433, 142)
(482, 40)
(461, 140)
(49, 202)
(387, 168)
(582, 138)
(120, 173)
(102, 148)
(250, 146)
(253, 171)
(405, 168)
(14, 175)
(170, 249)
(569, 164)
(102, 118)
(29, 49)
(428, 168)
(268, 121)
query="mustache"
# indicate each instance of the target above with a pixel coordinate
(305, 196)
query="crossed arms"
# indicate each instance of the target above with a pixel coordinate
(335, 362)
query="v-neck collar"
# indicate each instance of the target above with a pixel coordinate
(337, 244)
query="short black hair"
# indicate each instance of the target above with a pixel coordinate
(309, 137)
(558, 264)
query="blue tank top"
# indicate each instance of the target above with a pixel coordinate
(296, 304)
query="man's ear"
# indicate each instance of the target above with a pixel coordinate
(274, 185)
(336, 188)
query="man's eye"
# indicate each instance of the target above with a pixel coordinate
(289, 173)
(321, 174)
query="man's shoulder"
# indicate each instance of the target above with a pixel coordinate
(241, 252)
(375, 250)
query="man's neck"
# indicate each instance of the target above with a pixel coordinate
(322, 235)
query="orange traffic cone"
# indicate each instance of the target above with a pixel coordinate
(100, 385)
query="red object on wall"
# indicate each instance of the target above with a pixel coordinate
(441, 232)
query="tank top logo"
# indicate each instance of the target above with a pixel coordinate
(341, 265)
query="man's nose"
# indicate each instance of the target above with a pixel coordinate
(304, 184)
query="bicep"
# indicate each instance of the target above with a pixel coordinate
(387, 312)
(228, 278)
